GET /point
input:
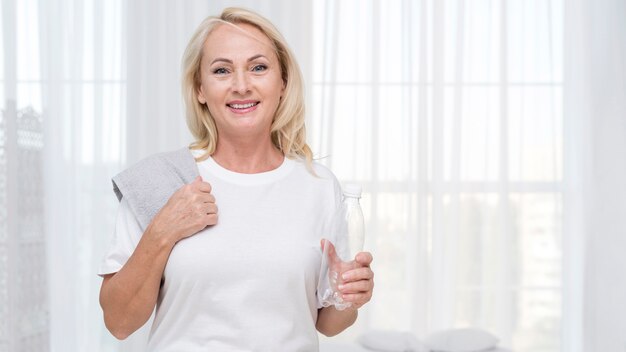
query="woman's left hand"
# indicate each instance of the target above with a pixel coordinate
(358, 283)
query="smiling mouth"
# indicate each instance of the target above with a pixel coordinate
(243, 106)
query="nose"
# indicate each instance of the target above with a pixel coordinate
(240, 83)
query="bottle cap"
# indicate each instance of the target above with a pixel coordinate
(352, 190)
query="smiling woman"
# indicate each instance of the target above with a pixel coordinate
(266, 55)
(199, 266)
(241, 86)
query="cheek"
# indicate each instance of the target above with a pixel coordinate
(214, 91)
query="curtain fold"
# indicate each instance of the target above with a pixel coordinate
(83, 90)
(596, 103)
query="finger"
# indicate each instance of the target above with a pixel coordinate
(210, 198)
(364, 258)
(329, 248)
(210, 219)
(356, 287)
(205, 198)
(203, 187)
(197, 179)
(357, 298)
(358, 274)
(205, 208)
(211, 208)
(200, 200)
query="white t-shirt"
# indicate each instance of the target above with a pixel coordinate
(248, 283)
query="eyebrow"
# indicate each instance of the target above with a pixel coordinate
(221, 59)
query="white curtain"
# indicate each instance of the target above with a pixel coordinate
(450, 115)
(83, 85)
(595, 44)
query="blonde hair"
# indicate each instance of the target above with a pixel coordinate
(288, 129)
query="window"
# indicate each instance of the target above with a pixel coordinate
(449, 114)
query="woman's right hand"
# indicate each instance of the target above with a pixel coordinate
(188, 211)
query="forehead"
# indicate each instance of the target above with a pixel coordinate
(240, 40)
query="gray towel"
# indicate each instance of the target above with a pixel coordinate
(148, 184)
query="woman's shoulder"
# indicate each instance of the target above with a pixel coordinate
(316, 169)
(181, 156)
(178, 156)
(320, 173)
(323, 171)
(179, 162)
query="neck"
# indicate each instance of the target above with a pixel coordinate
(246, 156)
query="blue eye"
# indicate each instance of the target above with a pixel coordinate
(220, 71)
(259, 68)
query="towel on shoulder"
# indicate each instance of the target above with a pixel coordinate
(148, 184)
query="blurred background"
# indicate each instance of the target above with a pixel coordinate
(489, 137)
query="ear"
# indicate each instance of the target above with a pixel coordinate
(282, 90)
(201, 98)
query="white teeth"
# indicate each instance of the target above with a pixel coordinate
(242, 106)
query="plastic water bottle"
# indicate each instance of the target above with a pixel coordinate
(354, 220)
(348, 233)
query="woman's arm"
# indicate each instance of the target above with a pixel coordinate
(331, 322)
(129, 296)
(357, 288)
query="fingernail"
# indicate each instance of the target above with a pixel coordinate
(345, 276)
(341, 287)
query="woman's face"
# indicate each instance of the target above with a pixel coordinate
(241, 81)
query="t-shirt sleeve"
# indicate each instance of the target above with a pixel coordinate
(127, 234)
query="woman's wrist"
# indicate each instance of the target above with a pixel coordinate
(163, 241)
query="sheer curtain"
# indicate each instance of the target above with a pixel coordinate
(596, 103)
(450, 115)
(83, 88)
